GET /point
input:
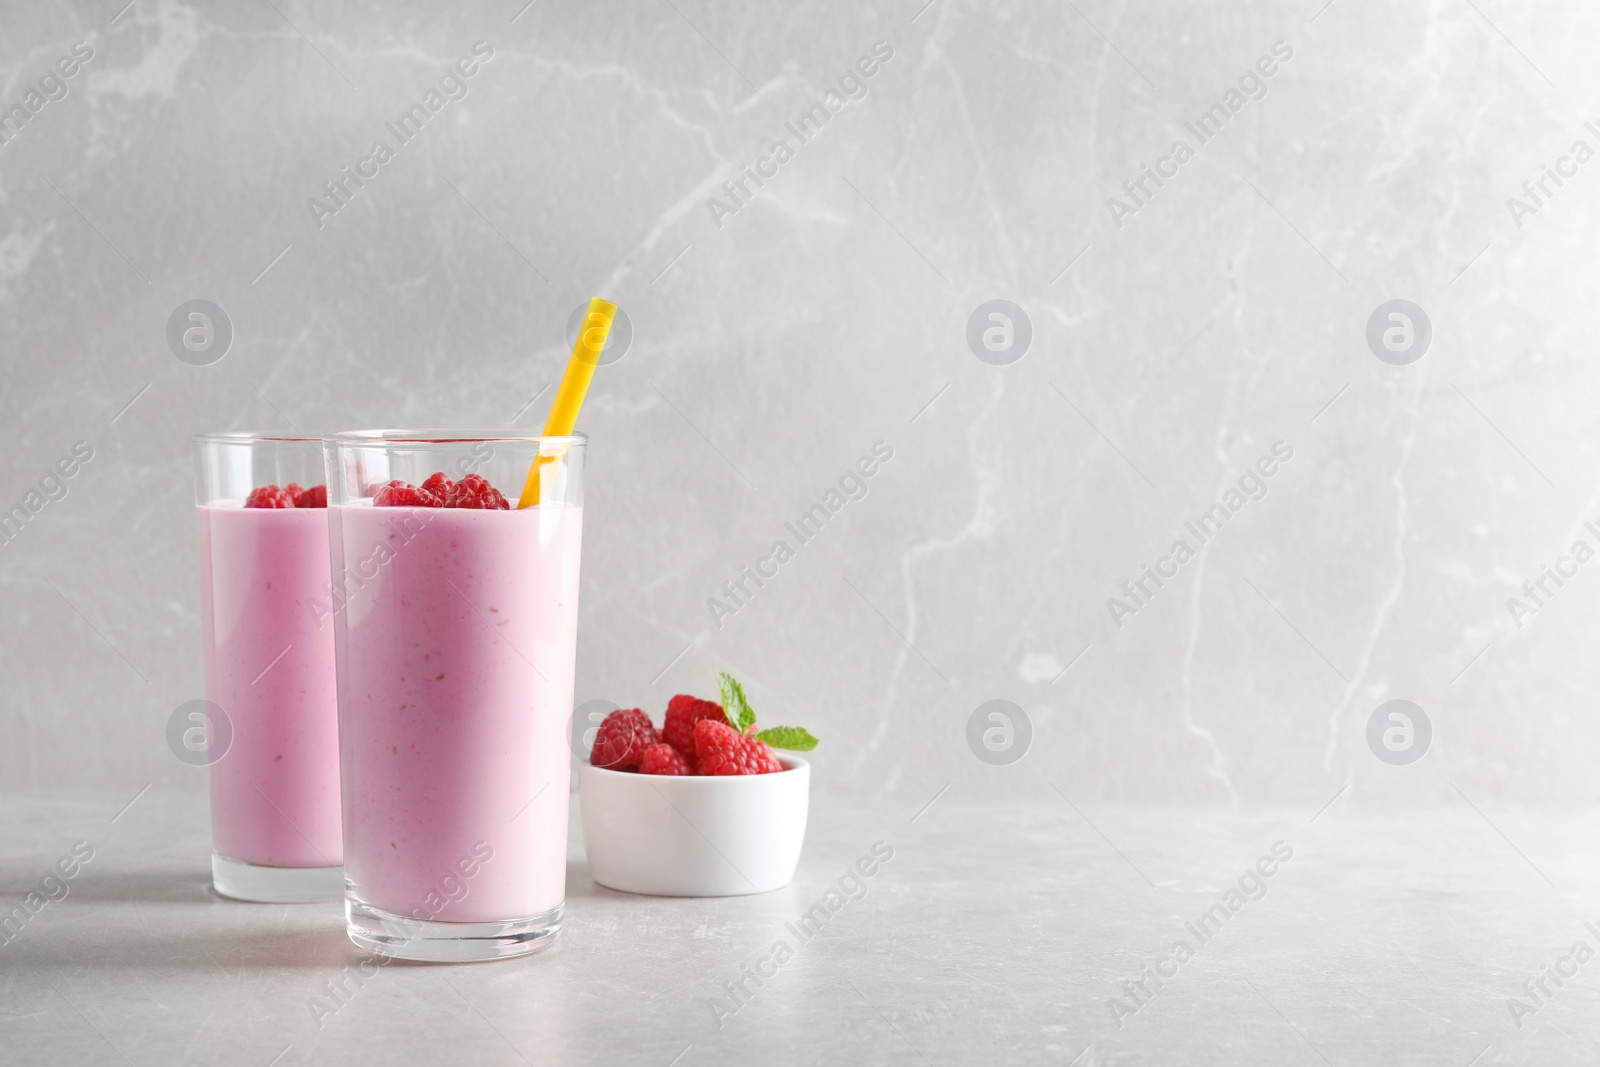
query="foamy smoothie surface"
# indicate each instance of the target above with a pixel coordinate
(275, 792)
(457, 641)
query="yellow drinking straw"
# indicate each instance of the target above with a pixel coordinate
(574, 385)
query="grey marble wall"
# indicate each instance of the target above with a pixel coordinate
(1355, 154)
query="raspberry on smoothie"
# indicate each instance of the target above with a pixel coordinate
(288, 496)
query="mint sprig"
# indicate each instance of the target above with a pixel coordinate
(736, 706)
(793, 738)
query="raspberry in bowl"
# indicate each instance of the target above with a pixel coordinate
(702, 807)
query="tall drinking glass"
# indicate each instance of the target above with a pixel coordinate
(270, 678)
(456, 638)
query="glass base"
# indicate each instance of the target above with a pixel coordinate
(405, 938)
(275, 885)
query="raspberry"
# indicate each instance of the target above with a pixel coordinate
(622, 740)
(439, 486)
(315, 497)
(474, 491)
(683, 711)
(271, 496)
(664, 759)
(770, 764)
(438, 491)
(402, 494)
(723, 750)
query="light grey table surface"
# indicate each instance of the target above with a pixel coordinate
(998, 932)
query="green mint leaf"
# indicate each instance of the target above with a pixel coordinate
(734, 704)
(793, 738)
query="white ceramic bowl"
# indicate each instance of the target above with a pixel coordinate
(713, 836)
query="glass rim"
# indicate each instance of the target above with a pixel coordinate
(425, 438)
(244, 437)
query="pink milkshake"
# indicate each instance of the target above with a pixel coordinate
(275, 794)
(269, 667)
(456, 648)
(455, 706)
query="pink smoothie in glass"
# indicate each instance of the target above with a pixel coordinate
(456, 664)
(275, 792)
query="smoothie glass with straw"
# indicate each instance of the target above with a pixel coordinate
(455, 649)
